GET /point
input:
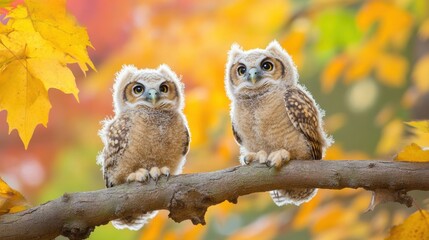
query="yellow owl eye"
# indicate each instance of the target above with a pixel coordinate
(267, 66)
(163, 88)
(138, 89)
(241, 70)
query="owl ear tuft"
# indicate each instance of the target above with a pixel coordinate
(166, 71)
(275, 48)
(126, 72)
(234, 52)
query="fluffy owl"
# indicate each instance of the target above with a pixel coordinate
(274, 119)
(148, 137)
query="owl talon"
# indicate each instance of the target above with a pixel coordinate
(165, 171)
(155, 173)
(131, 177)
(248, 158)
(278, 158)
(140, 175)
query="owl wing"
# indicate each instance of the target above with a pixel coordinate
(115, 145)
(304, 117)
(186, 143)
(236, 136)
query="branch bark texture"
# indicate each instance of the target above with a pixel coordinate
(188, 196)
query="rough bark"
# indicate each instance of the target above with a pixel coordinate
(188, 196)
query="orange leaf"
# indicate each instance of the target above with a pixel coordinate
(305, 213)
(391, 69)
(333, 216)
(153, 229)
(332, 72)
(362, 62)
(393, 22)
(11, 201)
(413, 153)
(370, 13)
(415, 227)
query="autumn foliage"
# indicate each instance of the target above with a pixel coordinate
(366, 63)
(36, 45)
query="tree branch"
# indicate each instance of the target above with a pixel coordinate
(188, 196)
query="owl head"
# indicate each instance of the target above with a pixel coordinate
(159, 89)
(257, 71)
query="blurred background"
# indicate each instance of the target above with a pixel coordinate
(365, 62)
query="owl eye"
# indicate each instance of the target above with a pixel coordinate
(267, 66)
(138, 89)
(163, 88)
(241, 70)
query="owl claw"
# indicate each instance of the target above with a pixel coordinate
(250, 157)
(155, 172)
(140, 175)
(278, 158)
(166, 171)
(131, 177)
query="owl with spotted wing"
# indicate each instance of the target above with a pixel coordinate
(274, 118)
(148, 137)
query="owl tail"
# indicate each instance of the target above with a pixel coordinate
(293, 196)
(134, 222)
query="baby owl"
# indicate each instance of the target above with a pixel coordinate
(148, 137)
(274, 119)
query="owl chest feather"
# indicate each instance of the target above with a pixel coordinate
(155, 139)
(264, 124)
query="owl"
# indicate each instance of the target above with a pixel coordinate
(274, 118)
(149, 136)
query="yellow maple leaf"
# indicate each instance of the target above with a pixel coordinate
(415, 227)
(413, 153)
(11, 201)
(422, 126)
(36, 45)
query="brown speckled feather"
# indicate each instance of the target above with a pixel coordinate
(304, 116)
(118, 132)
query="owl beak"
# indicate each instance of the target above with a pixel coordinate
(253, 75)
(152, 95)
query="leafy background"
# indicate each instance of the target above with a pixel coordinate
(366, 63)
